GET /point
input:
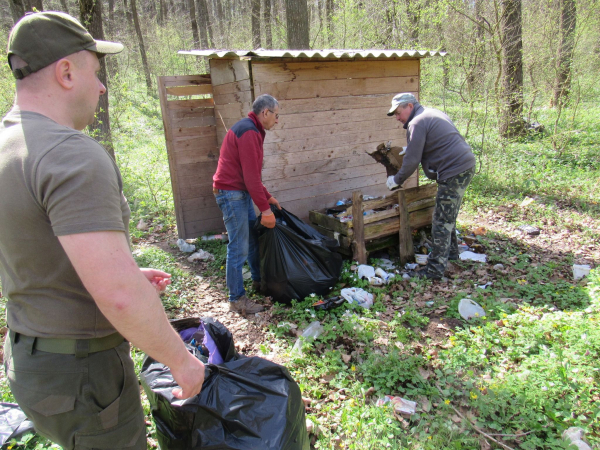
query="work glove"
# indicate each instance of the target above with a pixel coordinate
(391, 184)
(268, 220)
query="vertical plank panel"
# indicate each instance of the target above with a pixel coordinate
(358, 244)
(407, 251)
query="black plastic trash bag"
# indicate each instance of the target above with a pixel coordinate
(245, 404)
(295, 259)
(13, 423)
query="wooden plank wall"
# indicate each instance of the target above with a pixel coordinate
(193, 153)
(331, 113)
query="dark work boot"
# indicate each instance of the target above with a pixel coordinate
(244, 305)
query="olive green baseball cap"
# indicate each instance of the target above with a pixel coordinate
(42, 38)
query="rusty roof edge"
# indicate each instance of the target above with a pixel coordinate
(326, 53)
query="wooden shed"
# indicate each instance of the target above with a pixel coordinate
(333, 106)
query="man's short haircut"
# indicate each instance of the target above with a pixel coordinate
(263, 102)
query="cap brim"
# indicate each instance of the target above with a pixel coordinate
(106, 48)
(392, 110)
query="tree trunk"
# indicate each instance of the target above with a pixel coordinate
(475, 78)
(129, 17)
(267, 17)
(90, 15)
(64, 6)
(511, 124)
(17, 9)
(192, 15)
(562, 87)
(205, 31)
(296, 15)
(111, 63)
(255, 24)
(329, 14)
(222, 26)
(413, 13)
(138, 32)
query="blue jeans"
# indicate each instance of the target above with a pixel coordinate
(239, 217)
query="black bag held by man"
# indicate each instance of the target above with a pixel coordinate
(295, 259)
(245, 404)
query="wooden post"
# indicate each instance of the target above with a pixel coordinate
(359, 250)
(407, 251)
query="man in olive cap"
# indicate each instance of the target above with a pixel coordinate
(435, 143)
(76, 298)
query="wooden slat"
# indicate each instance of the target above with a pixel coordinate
(323, 166)
(195, 103)
(184, 80)
(187, 132)
(195, 229)
(337, 88)
(406, 249)
(189, 122)
(194, 143)
(190, 113)
(306, 120)
(198, 215)
(207, 201)
(335, 103)
(196, 156)
(232, 88)
(332, 131)
(236, 97)
(304, 181)
(359, 252)
(180, 91)
(224, 71)
(235, 111)
(281, 72)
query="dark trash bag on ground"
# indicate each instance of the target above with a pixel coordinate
(245, 404)
(13, 423)
(296, 260)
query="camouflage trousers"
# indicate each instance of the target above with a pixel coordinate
(443, 230)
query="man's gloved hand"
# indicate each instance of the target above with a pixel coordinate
(268, 220)
(391, 184)
(273, 201)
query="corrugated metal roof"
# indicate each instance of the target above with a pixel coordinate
(320, 54)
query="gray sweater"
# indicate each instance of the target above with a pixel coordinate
(434, 141)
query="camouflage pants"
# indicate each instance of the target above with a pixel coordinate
(443, 230)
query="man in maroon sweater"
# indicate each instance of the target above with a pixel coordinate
(236, 185)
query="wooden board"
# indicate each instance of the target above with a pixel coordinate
(316, 70)
(336, 103)
(224, 71)
(190, 135)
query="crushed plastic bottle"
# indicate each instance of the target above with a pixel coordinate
(357, 296)
(311, 332)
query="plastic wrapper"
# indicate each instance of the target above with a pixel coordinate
(296, 260)
(245, 403)
(13, 423)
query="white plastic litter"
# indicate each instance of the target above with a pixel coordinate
(358, 296)
(246, 273)
(365, 271)
(411, 266)
(574, 436)
(386, 264)
(468, 309)
(421, 259)
(201, 255)
(185, 247)
(311, 332)
(486, 285)
(376, 281)
(383, 275)
(406, 276)
(142, 225)
(580, 271)
(471, 256)
(400, 404)
(498, 266)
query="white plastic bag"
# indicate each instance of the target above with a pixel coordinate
(365, 271)
(311, 332)
(185, 247)
(358, 296)
(468, 309)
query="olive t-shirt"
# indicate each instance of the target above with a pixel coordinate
(54, 181)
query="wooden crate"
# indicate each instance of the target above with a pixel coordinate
(406, 210)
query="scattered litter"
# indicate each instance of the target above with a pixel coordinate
(526, 202)
(411, 266)
(287, 324)
(328, 303)
(343, 202)
(468, 309)
(376, 281)
(142, 225)
(185, 247)
(406, 276)
(311, 332)
(580, 271)
(529, 230)
(421, 259)
(400, 405)
(201, 255)
(486, 285)
(386, 264)
(365, 271)
(574, 436)
(471, 256)
(430, 303)
(383, 275)
(368, 212)
(498, 267)
(215, 237)
(463, 248)
(481, 231)
(246, 274)
(358, 296)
